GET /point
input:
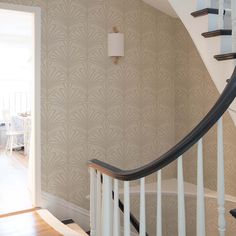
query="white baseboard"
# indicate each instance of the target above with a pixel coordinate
(64, 210)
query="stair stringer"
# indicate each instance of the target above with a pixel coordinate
(219, 71)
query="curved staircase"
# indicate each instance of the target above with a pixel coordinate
(212, 26)
(106, 179)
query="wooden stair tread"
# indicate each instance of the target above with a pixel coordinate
(225, 56)
(215, 33)
(205, 11)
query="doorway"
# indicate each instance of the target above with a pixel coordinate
(20, 145)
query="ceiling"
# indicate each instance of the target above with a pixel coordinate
(162, 5)
(16, 23)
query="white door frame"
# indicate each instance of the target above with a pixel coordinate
(36, 112)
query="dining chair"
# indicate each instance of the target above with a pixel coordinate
(11, 133)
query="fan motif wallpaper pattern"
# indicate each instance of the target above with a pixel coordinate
(125, 114)
(91, 108)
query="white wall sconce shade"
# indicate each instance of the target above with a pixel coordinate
(116, 45)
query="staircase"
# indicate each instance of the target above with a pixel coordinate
(211, 31)
(212, 26)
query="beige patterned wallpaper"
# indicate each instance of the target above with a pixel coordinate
(93, 109)
(126, 114)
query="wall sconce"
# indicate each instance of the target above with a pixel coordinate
(115, 45)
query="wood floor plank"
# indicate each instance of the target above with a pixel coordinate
(19, 212)
(14, 192)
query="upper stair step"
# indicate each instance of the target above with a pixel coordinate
(205, 11)
(225, 56)
(215, 33)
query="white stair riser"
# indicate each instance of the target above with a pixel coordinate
(225, 44)
(219, 44)
(212, 21)
(207, 23)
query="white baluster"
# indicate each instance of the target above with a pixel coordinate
(116, 219)
(107, 206)
(126, 209)
(201, 230)
(181, 201)
(159, 205)
(220, 179)
(233, 16)
(142, 231)
(92, 202)
(221, 14)
(98, 205)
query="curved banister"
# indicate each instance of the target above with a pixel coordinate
(222, 104)
(233, 213)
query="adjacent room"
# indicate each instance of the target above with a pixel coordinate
(16, 79)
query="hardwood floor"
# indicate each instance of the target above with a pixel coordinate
(14, 194)
(17, 218)
(25, 224)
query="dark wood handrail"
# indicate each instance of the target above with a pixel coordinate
(233, 213)
(222, 104)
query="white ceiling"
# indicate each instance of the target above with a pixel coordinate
(16, 23)
(162, 5)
